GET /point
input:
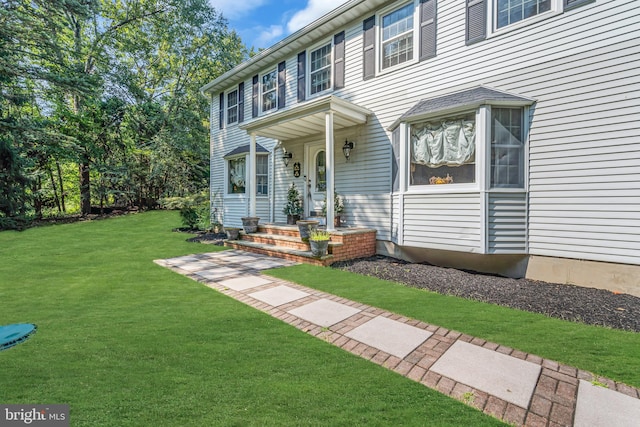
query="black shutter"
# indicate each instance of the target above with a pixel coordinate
(255, 96)
(282, 77)
(221, 112)
(369, 48)
(302, 83)
(476, 21)
(338, 61)
(427, 29)
(241, 102)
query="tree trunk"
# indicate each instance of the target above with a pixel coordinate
(85, 188)
(55, 190)
(61, 182)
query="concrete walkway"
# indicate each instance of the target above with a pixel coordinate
(521, 389)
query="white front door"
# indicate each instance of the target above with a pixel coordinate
(316, 191)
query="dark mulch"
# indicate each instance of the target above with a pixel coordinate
(574, 303)
(204, 237)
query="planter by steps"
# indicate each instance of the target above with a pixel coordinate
(250, 224)
(232, 233)
(319, 247)
(305, 227)
(292, 219)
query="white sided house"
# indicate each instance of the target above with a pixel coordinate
(494, 135)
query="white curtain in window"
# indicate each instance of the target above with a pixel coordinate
(237, 171)
(450, 142)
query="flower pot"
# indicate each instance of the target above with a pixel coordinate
(232, 233)
(305, 227)
(336, 221)
(292, 219)
(319, 247)
(250, 224)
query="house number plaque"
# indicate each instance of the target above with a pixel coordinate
(296, 169)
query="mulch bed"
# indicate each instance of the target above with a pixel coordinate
(574, 303)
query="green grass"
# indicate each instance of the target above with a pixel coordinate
(603, 351)
(125, 342)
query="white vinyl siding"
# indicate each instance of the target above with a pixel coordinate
(443, 221)
(506, 231)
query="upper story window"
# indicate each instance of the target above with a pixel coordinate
(232, 107)
(320, 69)
(268, 91)
(486, 18)
(512, 11)
(397, 36)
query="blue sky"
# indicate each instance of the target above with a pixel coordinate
(261, 23)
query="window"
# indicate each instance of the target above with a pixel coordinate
(262, 175)
(320, 69)
(443, 151)
(268, 91)
(321, 172)
(507, 147)
(237, 175)
(397, 36)
(511, 11)
(232, 107)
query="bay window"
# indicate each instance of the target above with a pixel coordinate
(237, 169)
(443, 151)
(507, 147)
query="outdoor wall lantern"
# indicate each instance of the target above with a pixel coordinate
(286, 157)
(347, 147)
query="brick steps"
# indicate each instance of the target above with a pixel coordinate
(283, 241)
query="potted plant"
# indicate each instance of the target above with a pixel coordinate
(293, 208)
(250, 224)
(232, 233)
(305, 227)
(319, 242)
(338, 208)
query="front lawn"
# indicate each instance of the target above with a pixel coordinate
(125, 342)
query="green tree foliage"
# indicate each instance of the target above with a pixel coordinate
(112, 87)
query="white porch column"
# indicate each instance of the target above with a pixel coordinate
(329, 163)
(251, 179)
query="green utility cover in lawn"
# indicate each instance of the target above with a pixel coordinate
(11, 335)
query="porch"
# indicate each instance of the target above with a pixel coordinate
(283, 241)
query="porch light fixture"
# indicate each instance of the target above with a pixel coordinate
(286, 157)
(347, 147)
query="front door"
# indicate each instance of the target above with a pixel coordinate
(316, 178)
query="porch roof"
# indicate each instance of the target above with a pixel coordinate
(307, 119)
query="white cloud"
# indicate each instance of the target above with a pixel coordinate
(314, 10)
(234, 9)
(266, 37)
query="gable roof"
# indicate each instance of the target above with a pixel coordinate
(295, 43)
(465, 99)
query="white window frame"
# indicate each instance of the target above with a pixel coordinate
(314, 48)
(262, 92)
(380, 43)
(247, 160)
(467, 187)
(482, 158)
(229, 106)
(266, 174)
(492, 17)
(227, 182)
